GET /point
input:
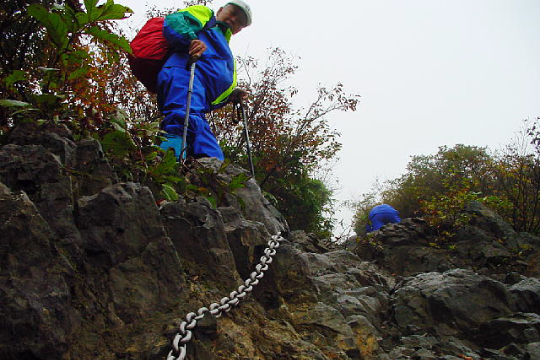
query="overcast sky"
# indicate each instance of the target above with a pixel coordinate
(430, 72)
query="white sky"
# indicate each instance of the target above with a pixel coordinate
(430, 72)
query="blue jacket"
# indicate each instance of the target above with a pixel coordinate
(215, 76)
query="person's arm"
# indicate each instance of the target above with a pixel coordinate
(181, 28)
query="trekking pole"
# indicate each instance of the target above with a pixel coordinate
(191, 65)
(248, 145)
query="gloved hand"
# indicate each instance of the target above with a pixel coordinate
(238, 96)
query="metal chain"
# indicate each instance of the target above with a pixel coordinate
(184, 335)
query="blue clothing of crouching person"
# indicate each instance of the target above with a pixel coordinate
(381, 215)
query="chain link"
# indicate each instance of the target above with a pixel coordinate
(185, 334)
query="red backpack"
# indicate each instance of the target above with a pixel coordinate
(150, 51)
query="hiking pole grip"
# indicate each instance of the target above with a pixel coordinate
(192, 60)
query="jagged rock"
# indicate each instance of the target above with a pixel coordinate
(462, 306)
(247, 240)
(459, 299)
(25, 168)
(52, 301)
(247, 199)
(405, 249)
(123, 235)
(487, 245)
(527, 295)
(198, 234)
(533, 350)
(307, 242)
(57, 139)
(93, 169)
(36, 315)
(489, 221)
(521, 328)
(342, 299)
(40, 165)
(92, 268)
(40, 174)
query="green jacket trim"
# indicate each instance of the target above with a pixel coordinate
(190, 21)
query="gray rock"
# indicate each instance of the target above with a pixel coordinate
(57, 139)
(247, 199)
(93, 169)
(36, 313)
(520, 328)
(458, 298)
(92, 268)
(27, 167)
(487, 245)
(527, 295)
(200, 239)
(533, 350)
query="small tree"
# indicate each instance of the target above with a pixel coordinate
(518, 180)
(289, 145)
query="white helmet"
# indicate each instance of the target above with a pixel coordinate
(245, 7)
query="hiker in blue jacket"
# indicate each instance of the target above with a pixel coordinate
(381, 215)
(195, 33)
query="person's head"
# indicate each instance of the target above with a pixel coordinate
(236, 13)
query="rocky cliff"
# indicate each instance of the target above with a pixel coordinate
(92, 268)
